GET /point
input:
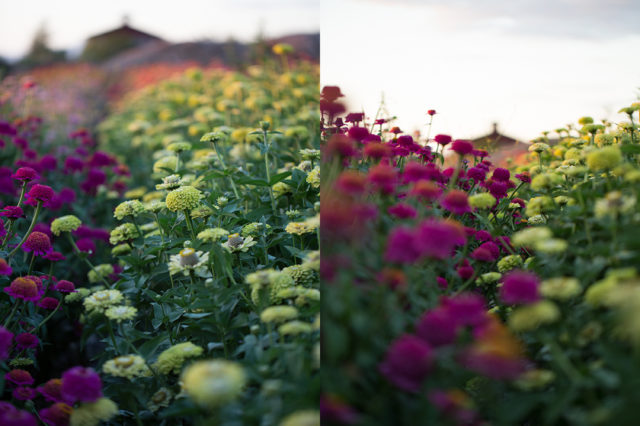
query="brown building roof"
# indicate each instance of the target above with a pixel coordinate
(125, 30)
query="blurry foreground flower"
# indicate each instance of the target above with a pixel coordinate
(213, 383)
(93, 414)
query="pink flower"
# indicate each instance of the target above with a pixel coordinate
(49, 303)
(5, 269)
(59, 414)
(25, 174)
(38, 243)
(64, 286)
(52, 391)
(25, 288)
(461, 147)
(442, 139)
(55, 256)
(351, 182)
(401, 247)
(12, 212)
(81, 384)
(402, 211)
(519, 287)
(438, 238)
(23, 393)
(39, 193)
(438, 327)
(19, 377)
(408, 362)
(456, 201)
(383, 177)
(501, 174)
(26, 341)
(15, 417)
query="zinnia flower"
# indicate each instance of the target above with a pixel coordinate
(5, 269)
(438, 238)
(26, 341)
(213, 383)
(38, 243)
(19, 377)
(25, 174)
(81, 384)
(519, 287)
(25, 288)
(39, 194)
(12, 212)
(456, 201)
(408, 362)
(6, 338)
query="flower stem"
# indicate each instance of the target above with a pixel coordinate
(187, 217)
(13, 311)
(82, 255)
(26, 235)
(224, 167)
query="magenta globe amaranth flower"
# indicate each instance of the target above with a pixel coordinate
(25, 174)
(64, 286)
(438, 327)
(49, 303)
(456, 201)
(39, 194)
(19, 377)
(519, 287)
(401, 247)
(408, 362)
(14, 417)
(26, 341)
(12, 212)
(81, 384)
(5, 269)
(38, 243)
(438, 238)
(442, 139)
(23, 393)
(402, 211)
(461, 147)
(25, 288)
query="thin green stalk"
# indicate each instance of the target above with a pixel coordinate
(187, 217)
(13, 311)
(47, 318)
(268, 173)
(224, 167)
(26, 235)
(84, 258)
(33, 258)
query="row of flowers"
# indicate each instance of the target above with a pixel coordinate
(195, 296)
(472, 293)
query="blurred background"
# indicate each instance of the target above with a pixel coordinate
(510, 69)
(71, 61)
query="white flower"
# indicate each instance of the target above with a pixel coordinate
(189, 260)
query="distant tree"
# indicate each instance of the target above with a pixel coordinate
(40, 53)
(5, 68)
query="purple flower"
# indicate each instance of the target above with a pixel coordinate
(400, 246)
(55, 256)
(39, 193)
(73, 164)
(86, 245)
(498, 189)
(437, 239)
(48, 162)
(501, 174)
(442, 139)
(477, 174)
(23, 393)
(468, 309)
(437, 327)
(12, 212)
(64, 286)
(38, 243)
(25, 174)
(19, 377)
(49, 303)
(402, 211)
(26, 341)
(408, 362)
(5, 269)
(519, 287)
(483, 236)
(461, 147)
(81, 384)
(58, 414)
(25, 288)
(14, 417)
(456, 201)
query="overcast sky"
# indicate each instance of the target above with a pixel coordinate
(531, 65)
(71, 22)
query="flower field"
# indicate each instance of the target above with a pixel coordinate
(474, 294)
(162, 267)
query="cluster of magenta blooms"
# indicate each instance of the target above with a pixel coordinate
(399, 180)
(29, 186)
